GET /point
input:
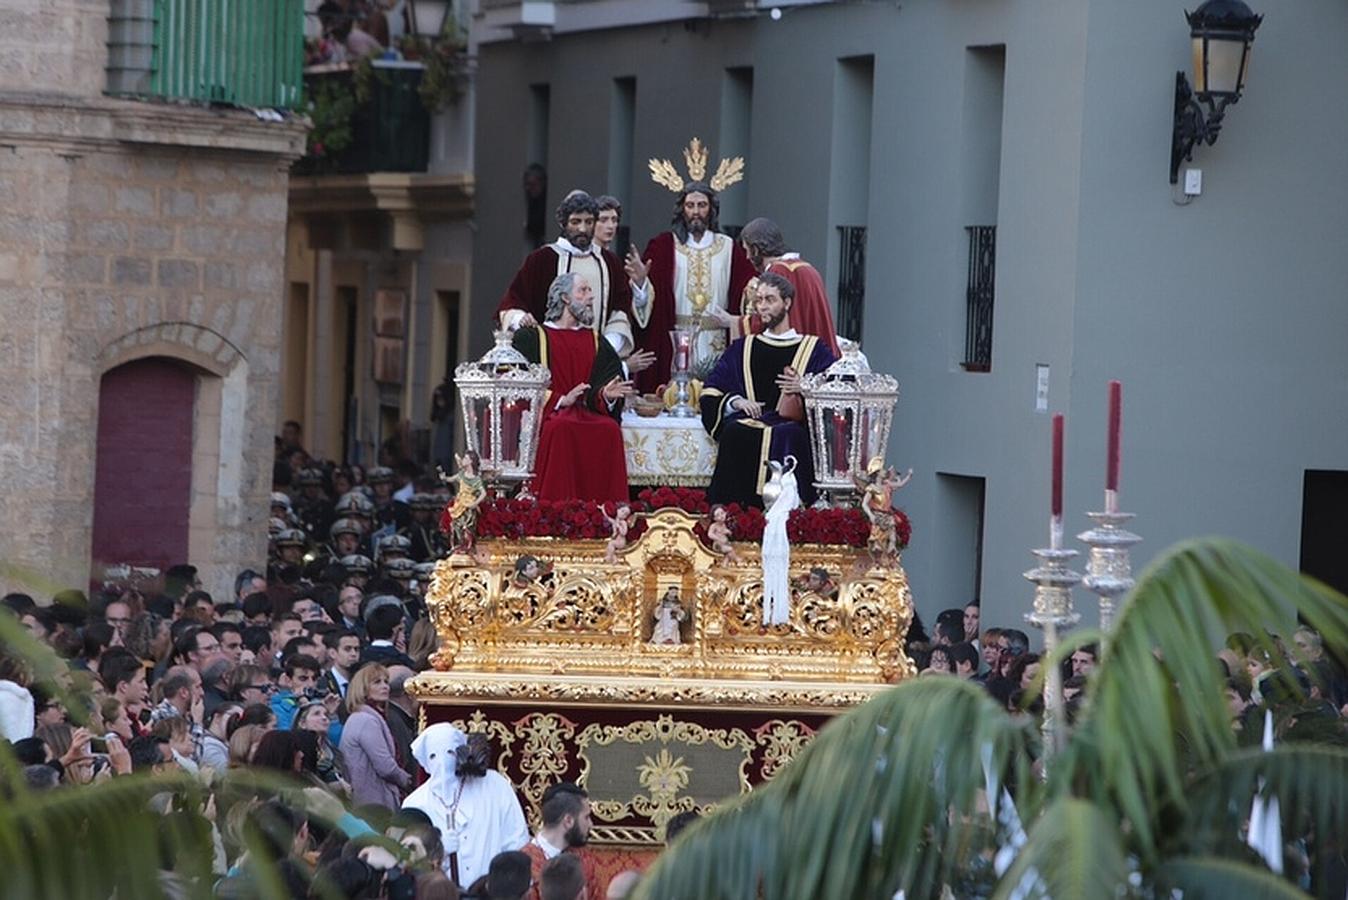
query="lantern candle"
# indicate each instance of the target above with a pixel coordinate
(1055, 523)
(1112, 464)
(511, 412)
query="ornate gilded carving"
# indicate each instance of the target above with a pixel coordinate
(589, 617)
(782, 740)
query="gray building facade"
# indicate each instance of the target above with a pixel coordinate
(1222, 314)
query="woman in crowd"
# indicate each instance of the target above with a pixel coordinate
(243, 744)
(314, 717)
(367, 744)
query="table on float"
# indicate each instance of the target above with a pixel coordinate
(665, 450)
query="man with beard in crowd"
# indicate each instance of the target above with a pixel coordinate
(580, 448)
(526, 300)
(566, 829)
(694, 270)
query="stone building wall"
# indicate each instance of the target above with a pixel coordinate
(130, 229)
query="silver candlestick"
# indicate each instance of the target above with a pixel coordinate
(1109, 568)
(1052, 610)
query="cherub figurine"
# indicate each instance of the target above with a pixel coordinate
(669, 614)
(877, 496)
(472, 490)
(718, 533)
(620, 522)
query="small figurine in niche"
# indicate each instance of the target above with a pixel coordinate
(620, 522)
(528, 571)
(877, 495)
(472, 490)
(669, 615)
(718, 534)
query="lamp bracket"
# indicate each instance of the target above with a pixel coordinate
(1193, 125)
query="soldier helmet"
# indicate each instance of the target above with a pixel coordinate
(356, 564)
(422, 502)
(400, 569)
(425, 570)
(344, 526)
(276, 525)
(354, 503)
(379, 475)
(291, 537)
(395, 543)
(310, 478)
(280, 499)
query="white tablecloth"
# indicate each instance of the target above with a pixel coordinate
(665, 450)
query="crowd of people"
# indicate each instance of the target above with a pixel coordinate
(302, 671)
(1001, 660)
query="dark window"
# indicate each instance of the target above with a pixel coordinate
(851, 280)
(979, 296)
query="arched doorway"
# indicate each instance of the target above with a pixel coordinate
(143, 477)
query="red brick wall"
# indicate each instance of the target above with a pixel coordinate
(143, 484)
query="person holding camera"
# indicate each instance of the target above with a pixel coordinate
(299, 685)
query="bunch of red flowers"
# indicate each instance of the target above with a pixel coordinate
(576, 519)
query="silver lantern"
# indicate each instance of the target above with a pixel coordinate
(502, 396)
(849, 410)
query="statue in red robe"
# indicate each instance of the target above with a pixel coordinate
(526, 298)
(694, 271)
(811, 311)
(580, 450)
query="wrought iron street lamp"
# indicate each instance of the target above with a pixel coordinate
(502, 395)
(849, 410)
(1222, 31)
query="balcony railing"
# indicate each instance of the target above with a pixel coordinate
(851, 280)
(237, 52)
(979, 296)
(389, 132)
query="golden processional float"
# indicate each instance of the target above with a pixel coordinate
(629, 649)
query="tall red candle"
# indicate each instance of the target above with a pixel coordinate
(1057, 465)
(1115, 419)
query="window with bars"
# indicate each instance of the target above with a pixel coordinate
(851, 280)
(979, 297)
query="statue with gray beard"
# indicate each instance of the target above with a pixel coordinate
(580, 450)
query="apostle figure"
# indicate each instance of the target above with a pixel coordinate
(471, 803)
(811, 311)
(751, 403)
(694, 271)
(526, 299)
(580, 449)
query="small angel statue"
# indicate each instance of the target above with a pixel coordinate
(718, 533)
(785, 497)
(669, 614)
(463, 514)
(620, 522)
(877, 497)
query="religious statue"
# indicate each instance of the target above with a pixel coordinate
(693, 269)
(718, 534)
(580, 445)
(620, 522)
(877, 497)
(472, 490)
(526, 299)
(669, 615)
(776, 547)
(751, 402)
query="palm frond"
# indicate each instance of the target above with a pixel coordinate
(1156, 708)
(1201, 877)
(886, 797)
(1073, 850)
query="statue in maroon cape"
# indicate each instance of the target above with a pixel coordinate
(751, 403)
(694, 270)
(580, 449)
(526, 299)
(811, 311)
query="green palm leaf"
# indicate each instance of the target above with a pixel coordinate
(1074, 850)
(1201, 877)
(886, 797)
